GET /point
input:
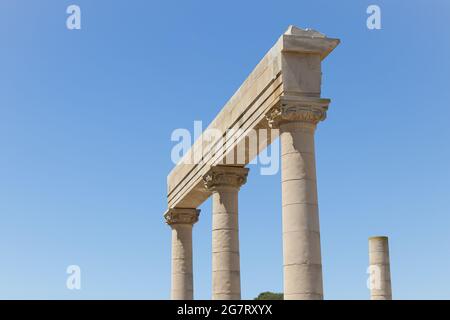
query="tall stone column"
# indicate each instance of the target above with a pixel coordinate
(181, 220)
(302, 265)
(379, 269)
(224, 183)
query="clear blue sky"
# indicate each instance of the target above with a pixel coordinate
(86, 118)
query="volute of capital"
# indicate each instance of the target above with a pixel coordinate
(307, 110)
(181, 216)
(225, 177)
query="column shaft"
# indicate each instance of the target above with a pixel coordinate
(379, 269)
(181, 221)
(301, 233)
(224, 183)
(226, 275)
(182, 276)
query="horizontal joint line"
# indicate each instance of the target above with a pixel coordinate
(303, 264)
(297, 152)
(307, 203)
(295, 179)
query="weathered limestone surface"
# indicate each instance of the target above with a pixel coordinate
(283, 92)
(224, 183)
(380, 269)
(301, 233)
(290, 70)
(181, 222)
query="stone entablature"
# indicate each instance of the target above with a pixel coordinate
(291, 68)
(282, 92)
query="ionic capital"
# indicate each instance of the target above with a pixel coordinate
(225, 177)
(298, 109)
(181, 216)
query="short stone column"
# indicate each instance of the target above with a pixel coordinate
(224, 183)
(302, 265)
(379, 269)
(181, 220)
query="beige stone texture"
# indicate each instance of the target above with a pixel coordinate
(181, 221)
(291, 70)
(224, 183)
(282, 92)
(379, 262)
(301, 230)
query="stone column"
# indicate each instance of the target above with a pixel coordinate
(181, 220)
(224, 183)
(302, 263)
(379, 269)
